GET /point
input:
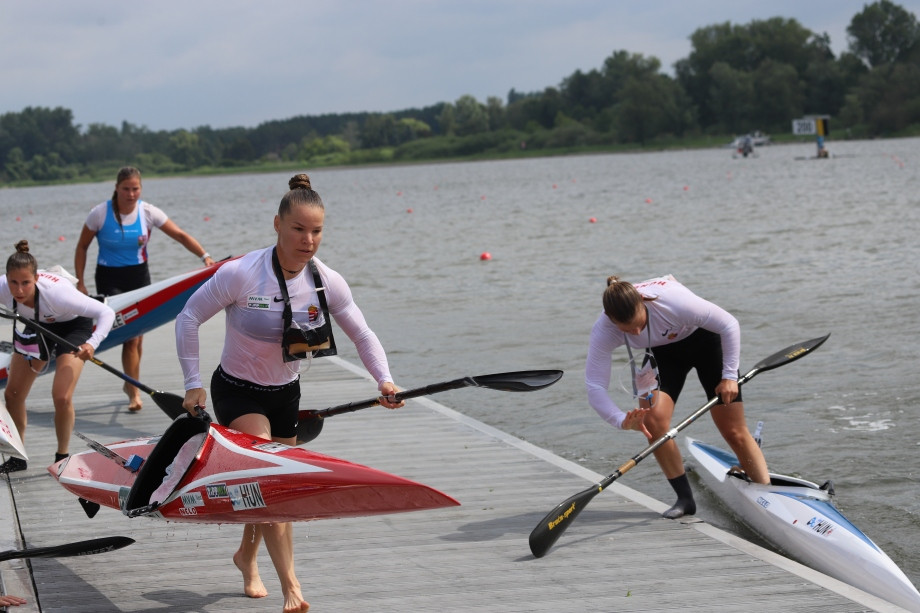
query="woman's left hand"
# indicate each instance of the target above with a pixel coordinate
(388, 398)
(727, 390)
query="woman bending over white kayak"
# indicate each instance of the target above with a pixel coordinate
(277, 303)
(55, 303)
(672, 331)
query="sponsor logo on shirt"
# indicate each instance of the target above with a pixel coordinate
(258, 302)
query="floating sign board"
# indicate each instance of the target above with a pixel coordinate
(804, 126)
(811, 125)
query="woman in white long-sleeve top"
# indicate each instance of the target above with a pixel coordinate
(277, 302)
(54, 302)
(674, 331)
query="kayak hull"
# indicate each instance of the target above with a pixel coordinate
(799, 518)
(232, 477)
(138, 311)
(10, 442)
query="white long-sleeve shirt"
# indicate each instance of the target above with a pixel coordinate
(59, 300)
(247, 289)
(673, 316)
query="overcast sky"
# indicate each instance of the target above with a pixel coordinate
(169, 64)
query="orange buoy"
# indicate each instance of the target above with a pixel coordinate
(61, 238)
(206, 218)
(593, 220)
(648, 200)
(485, 256)
(408, 210)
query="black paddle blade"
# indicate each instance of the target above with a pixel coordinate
(558, 520)
(789, 354)
(89, 507)
(520, 381)
(308, 428)
(171, 404)
(80, 548)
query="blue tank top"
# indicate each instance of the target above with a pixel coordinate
(123, 245)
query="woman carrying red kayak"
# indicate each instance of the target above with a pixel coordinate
(277, 303)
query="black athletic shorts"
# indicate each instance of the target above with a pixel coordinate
(234, 398)
(701, 350)
(112, 280)
(75, 331)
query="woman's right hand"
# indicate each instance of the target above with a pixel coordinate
(194, 398)
(635, 420)
(82, 287)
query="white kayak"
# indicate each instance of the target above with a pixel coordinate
(799, 518)
(10, 443)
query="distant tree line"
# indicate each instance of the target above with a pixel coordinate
(737, 78)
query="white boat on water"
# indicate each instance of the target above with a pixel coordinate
(757, 139)
(799, 518)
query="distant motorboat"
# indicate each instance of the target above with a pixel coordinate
(756, 138)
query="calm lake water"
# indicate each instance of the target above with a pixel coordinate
(795, 248)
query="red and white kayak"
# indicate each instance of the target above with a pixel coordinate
(206, 473)
(139, 311)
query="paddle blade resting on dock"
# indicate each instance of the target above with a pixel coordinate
(205, 473)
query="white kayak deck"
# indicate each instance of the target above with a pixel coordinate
(618, 556)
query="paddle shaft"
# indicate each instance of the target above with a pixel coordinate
(551, 527)
(310, 422)
(171, 404)
(79, 548)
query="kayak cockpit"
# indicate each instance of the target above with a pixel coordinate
(166, 465)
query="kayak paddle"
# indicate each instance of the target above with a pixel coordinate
(561, 517)
(171, 404)
(79, 548)
(310, 423)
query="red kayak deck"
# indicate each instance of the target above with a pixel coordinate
(235, 478)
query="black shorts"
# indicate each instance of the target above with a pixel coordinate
(112, 280)
(234, 398)
(75, 331)
(701, 350)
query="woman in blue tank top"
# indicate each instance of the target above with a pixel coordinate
(122, 228)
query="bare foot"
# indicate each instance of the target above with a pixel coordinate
(294, 602)
(252, 582)
(135, 403)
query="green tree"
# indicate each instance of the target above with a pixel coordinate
(185, 149)
(471, 116)
(731, 98)
(883, 33)
(779, 94)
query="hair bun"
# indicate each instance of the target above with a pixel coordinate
(301, 181)
(22, 246)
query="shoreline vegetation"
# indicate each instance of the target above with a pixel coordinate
(736, 80)
(384, 157)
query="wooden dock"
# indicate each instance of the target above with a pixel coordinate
(619, 555)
